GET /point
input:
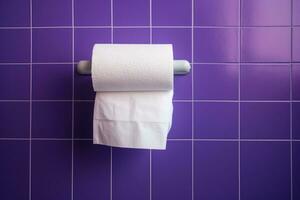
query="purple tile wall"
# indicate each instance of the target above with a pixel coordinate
(50, 169)
(266, 44)
(265, 170)
(296, 165)
(14, 169)
(15, 45)
(265, 13)
(172, 182)
(216, 164)
(254, 126)
(235, 132)
(91, 166)
(92, 12)
(51, 13)
(272, 82)
(132, 180)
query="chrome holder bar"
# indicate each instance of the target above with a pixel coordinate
(180, 67)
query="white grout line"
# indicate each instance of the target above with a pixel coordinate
(170, 139)
(111, 149)
(40, 63)
(150, 174)
(92, 27)
(175, 101)
(30, 104)
(16, 63)
(150, 151)
(55, 63)
(291, 135)
(192, 77)
(243, 63)
(250, 140)
(70, 27)
(47, 139)
(150, 20)
(244, 101)
(193, 63)
(112, 20)
(291, 105)
(15, 27)
(73, 97)
(239, 99)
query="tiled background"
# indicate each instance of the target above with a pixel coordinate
(236, 129)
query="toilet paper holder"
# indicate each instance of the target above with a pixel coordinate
(180, 67)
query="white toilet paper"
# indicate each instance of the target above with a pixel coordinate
(132, 67)
(134, 85)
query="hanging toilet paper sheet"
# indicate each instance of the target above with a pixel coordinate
(134, 91)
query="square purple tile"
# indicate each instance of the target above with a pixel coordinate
(91, 171)
(266, 13)
(182, 121)
(265, 120)
(172, 182)
(92, 12)
(226, 13)
(215, 172)
(183, 86)
(52, 45)
(52, 119)
(14, 170)
(296, 81)
(14, 117)
(263, 82)
(171, 13)
(85, 38)
(131, 35)
(181, 38)
(216, 81)
(131, 12)
(265, 170)
(296, 171)
(130, 174)
(266, 44)
(296, 119)
(14, 13)
(216, 120)
(15, 45)
(216, 45)
(51, 170)
(52, 82)
(52, 13)
(15, 82)
(83, 119)
(296, 12)
(296, 44)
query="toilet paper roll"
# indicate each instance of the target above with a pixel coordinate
(132, 67)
